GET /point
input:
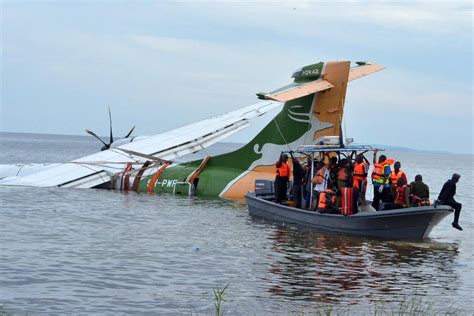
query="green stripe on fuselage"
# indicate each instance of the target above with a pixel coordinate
(224, 168)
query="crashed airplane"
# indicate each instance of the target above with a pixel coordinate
(310, 107)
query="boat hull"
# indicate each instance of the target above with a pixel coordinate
(409, 223)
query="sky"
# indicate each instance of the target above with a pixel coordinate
(163, 64)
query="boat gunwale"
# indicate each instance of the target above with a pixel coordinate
(372, 214)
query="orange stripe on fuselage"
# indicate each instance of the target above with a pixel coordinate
(155, 177)
(247, 182)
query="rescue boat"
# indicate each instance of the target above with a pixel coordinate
(413, 223)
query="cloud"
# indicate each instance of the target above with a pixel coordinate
(316, 17)
(415, 93)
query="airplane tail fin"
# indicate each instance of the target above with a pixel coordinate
(313, 107)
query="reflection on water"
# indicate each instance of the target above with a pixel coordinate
(341, 269)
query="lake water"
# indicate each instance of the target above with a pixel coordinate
(96, 251)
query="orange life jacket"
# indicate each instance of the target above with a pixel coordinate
(284, 170)
(342, 174)
(400, 198)
(347, 196)
(379, 168)
(395, 176)
(327, 198)
(360, 171)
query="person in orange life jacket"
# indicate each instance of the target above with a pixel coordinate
(320, 181)
(327, 202)
(359, 176)
(402, 196)
(446, 197)
(381, 180)
(349, 197)
(396, 174)
(298, 177)
(282, 178)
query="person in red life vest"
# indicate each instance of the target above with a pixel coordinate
(381, 180)
(396, 174)
(349, 197)
(359, 176)
(402, 196)
(327, 202)
(282, 177)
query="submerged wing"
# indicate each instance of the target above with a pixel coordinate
(99, 168)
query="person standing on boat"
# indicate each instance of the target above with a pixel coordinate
(359, 176)
(333, 170)
(381, 180)
(307, 181)
(396, 174)
(282, 178)
(446, 197)
(320, 181)
(343, 173)
(298, 176)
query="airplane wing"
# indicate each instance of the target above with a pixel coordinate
(99, 168)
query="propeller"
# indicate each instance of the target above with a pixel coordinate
(111, 139)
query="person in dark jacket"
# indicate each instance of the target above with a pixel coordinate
(298, 175)
(446, 197)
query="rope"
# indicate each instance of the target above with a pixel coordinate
(281, 134)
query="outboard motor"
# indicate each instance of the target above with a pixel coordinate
(264, 187)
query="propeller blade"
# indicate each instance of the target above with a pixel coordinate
(95, 135)
(130, 132)
(110, 121)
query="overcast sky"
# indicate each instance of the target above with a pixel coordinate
(160, 65)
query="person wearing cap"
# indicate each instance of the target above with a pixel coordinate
(281, 179)
(446, 197)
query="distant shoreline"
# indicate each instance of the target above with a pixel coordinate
(386, 147)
